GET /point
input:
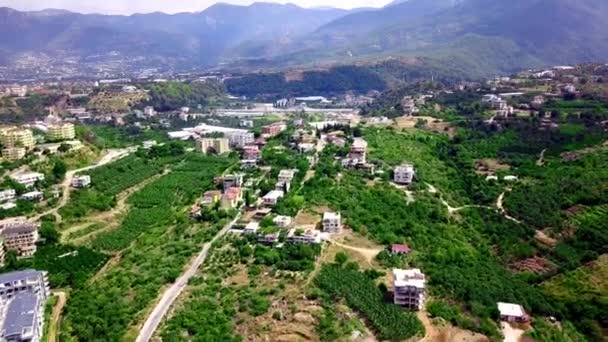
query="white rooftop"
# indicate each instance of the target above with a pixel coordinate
(274, 194)
(359, 143)
(507, 309)
(411, 277)
(331, 216)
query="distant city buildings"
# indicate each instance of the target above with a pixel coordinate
(273, 129)
(240, 139)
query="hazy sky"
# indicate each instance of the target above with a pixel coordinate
(169, 6)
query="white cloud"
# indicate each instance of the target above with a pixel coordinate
(168, 6)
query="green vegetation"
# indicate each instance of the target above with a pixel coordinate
(156, 241)
(103, 136)
(174, 95)
(361, 293)
(336, 80)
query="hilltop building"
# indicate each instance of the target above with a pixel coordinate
(62, 131)
(13, 153)
(404, 174)
(332, 222)
(409, 288)
(17, 137)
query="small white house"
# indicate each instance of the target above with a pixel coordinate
(404, 174)
(251, 228)
(80, 182)
(282, 221)
(271, 198)
(512, 312)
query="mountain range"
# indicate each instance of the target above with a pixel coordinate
(486, 35)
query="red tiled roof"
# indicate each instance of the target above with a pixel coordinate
(397, 248)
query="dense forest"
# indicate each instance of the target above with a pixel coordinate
(333, 81)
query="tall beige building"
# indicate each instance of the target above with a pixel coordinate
(62, 131)
(13, 153)
(219, 145)
(17, 137)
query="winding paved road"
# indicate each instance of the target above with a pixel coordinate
(171, 294)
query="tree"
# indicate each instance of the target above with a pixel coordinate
(64, 148)
(59, 169)
(341, 258)
(49, 233)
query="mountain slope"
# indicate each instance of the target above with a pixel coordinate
(202, 37)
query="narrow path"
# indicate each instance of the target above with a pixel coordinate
(501, 208)
(541, 158)
(109, 157)
(54, 323)
(430, 331)
(368, 253)
(170, 295)
(107, 216)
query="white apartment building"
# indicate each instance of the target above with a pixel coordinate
(241, 139)
(404, 174)
(286, 175)
(332, 222)
(7, 195)
(27, 178)
(409, 288)
(308, 237)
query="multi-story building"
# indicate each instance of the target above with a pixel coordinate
(213, 145)
(232, 181)
(33, 196)
(404, 174)
(27, 178)
(17, 137)
(23, 294)
(61, 131)
(23, 318)
(251, 152)
(13, 153)
(241, 139)
(332, 222)
(81, 181)
(273, 129)
(494, 101)
(7, 195)
(409, 288)
(20, 236)
(286, 175)
(18, 282)
(299, 236)
(17, 90)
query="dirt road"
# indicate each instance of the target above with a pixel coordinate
(54, 323)
(368, 253)
(110, 156)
